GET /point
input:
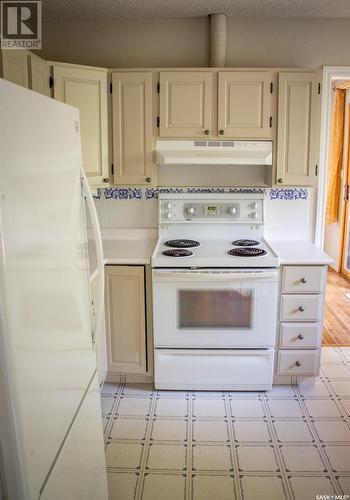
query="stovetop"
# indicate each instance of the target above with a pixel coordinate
(215, 252)
(207, 232)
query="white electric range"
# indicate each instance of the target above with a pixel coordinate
(215, 284)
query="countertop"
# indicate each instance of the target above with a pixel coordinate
(139, 251)
(299, 252)
(122, 251)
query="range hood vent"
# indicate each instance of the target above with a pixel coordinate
(200, 152)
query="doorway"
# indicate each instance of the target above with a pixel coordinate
(334, 187)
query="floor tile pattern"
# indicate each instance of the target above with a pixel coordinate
(292, 442)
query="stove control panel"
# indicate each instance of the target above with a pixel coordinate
(246, 210)
(211, 210)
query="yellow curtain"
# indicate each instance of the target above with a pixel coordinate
(335, 157)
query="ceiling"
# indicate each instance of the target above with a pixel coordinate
(98, 10)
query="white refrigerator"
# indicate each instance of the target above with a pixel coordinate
(51, 438)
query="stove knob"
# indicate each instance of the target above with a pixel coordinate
(190, 210)
(168, 205)
(254, 215)
(168, 215)
(233, 210)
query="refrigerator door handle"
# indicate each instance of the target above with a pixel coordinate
(100, 279)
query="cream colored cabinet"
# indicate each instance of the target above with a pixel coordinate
(15, 66)
(132, 128)
(186, 102)
(127, 343)
(244, 104)
(39, 75)
(298, 128)
(100, 338)
(301, 321)
(86, 89)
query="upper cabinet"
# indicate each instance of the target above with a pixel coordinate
(186, 102)
(39, 75)
(86, 89)
(15, 66)
(244, 104)
(298, 128)
(232, 104)
(132, 128)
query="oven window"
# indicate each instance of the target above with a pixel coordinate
(215, 308)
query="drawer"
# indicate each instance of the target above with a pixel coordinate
(294, 362)
(214, 370)
(303, 279)
(300, 335)
(301, 307)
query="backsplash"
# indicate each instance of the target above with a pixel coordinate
(135, 193)
(290, 212)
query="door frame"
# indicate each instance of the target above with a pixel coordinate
(345, 215)
(330, 73)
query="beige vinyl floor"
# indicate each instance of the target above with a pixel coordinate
(292, 442)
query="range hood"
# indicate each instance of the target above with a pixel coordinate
(200, 152)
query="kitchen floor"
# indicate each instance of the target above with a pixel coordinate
(336, 329)
(292, 442)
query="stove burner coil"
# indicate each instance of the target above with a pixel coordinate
(247, 252)
(246, 243)
(177, 252)
(182, 243)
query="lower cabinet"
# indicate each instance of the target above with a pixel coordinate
(301, 322)
(100, 339)
(129, 333)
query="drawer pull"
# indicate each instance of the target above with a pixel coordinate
(301, 309)
(207, 132)
(303, 280)
(297, 363)
(300, 336)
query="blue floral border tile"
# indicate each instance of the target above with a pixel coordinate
(135, 193)
(289, 194)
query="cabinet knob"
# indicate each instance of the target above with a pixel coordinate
(303, 280)
(300, 336)
(297, 363)
(280, 180)
(301, 309)
(207, 132)
(148, 179)
(221, 132)
(106, 179)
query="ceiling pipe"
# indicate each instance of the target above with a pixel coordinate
(217, 40)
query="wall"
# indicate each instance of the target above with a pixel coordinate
(289, 212)
(333, 232)
(251, 42)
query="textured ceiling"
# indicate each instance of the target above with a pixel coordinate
(73, 10)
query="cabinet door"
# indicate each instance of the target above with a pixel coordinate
(298, 128)
(126, 310)
(15, 66)
(132, 128)
(185, 104)
(86, 89)
(100, 339)
(244, 104)
(39, 75)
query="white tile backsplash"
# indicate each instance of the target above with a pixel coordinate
(285, 218)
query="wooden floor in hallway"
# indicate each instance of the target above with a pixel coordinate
(336, 329)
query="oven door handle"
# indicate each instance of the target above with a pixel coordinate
(213, 276)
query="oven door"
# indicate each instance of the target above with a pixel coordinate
(217, 308)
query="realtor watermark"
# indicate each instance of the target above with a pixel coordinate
(21, 25)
